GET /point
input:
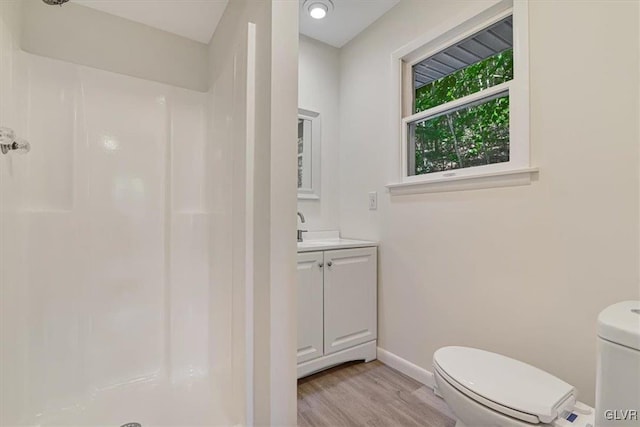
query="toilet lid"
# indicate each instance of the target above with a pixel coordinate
(507, 385)
(620, 324)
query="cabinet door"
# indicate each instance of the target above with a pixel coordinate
(350, 298)
(310, 272)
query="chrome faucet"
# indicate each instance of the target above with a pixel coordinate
(301, 231)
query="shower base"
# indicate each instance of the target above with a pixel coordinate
(149, 403)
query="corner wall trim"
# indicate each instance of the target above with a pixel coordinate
(414, 371)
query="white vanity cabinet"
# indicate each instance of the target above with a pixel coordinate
(337, 307)
(310, 316)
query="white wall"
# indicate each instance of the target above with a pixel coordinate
(522, 271)
(282, 222)
(319, 91)
(90, 37)
(263, 197)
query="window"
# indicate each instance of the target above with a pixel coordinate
(465, 99)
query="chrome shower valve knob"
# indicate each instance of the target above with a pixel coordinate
(9, 142)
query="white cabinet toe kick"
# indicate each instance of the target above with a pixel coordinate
(365, 352)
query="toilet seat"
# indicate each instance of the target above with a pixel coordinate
(530, 418)
(505, 385)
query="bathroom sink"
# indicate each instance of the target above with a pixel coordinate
(322, 241)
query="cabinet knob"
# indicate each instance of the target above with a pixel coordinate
(320, 264)
(329, 264)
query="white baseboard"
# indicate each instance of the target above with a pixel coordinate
(399, 364)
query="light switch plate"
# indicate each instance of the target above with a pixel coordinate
(373, 200)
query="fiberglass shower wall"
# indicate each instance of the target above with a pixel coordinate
(111, 312)
(12, 263)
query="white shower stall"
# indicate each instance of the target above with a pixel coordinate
(130, 244)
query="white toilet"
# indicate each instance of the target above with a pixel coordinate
(488, 389)
(618, 373)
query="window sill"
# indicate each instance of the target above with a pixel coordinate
(510, 178)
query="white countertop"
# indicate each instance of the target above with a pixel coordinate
(328, 240)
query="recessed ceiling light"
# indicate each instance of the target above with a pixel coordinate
(318, 9)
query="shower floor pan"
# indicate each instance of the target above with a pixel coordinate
(148, 403)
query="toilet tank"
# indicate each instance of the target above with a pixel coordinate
(618, 373)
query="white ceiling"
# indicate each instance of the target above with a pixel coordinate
(194, 19)
(197, 19)
(347, 19)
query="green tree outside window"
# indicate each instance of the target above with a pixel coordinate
(473, 136)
